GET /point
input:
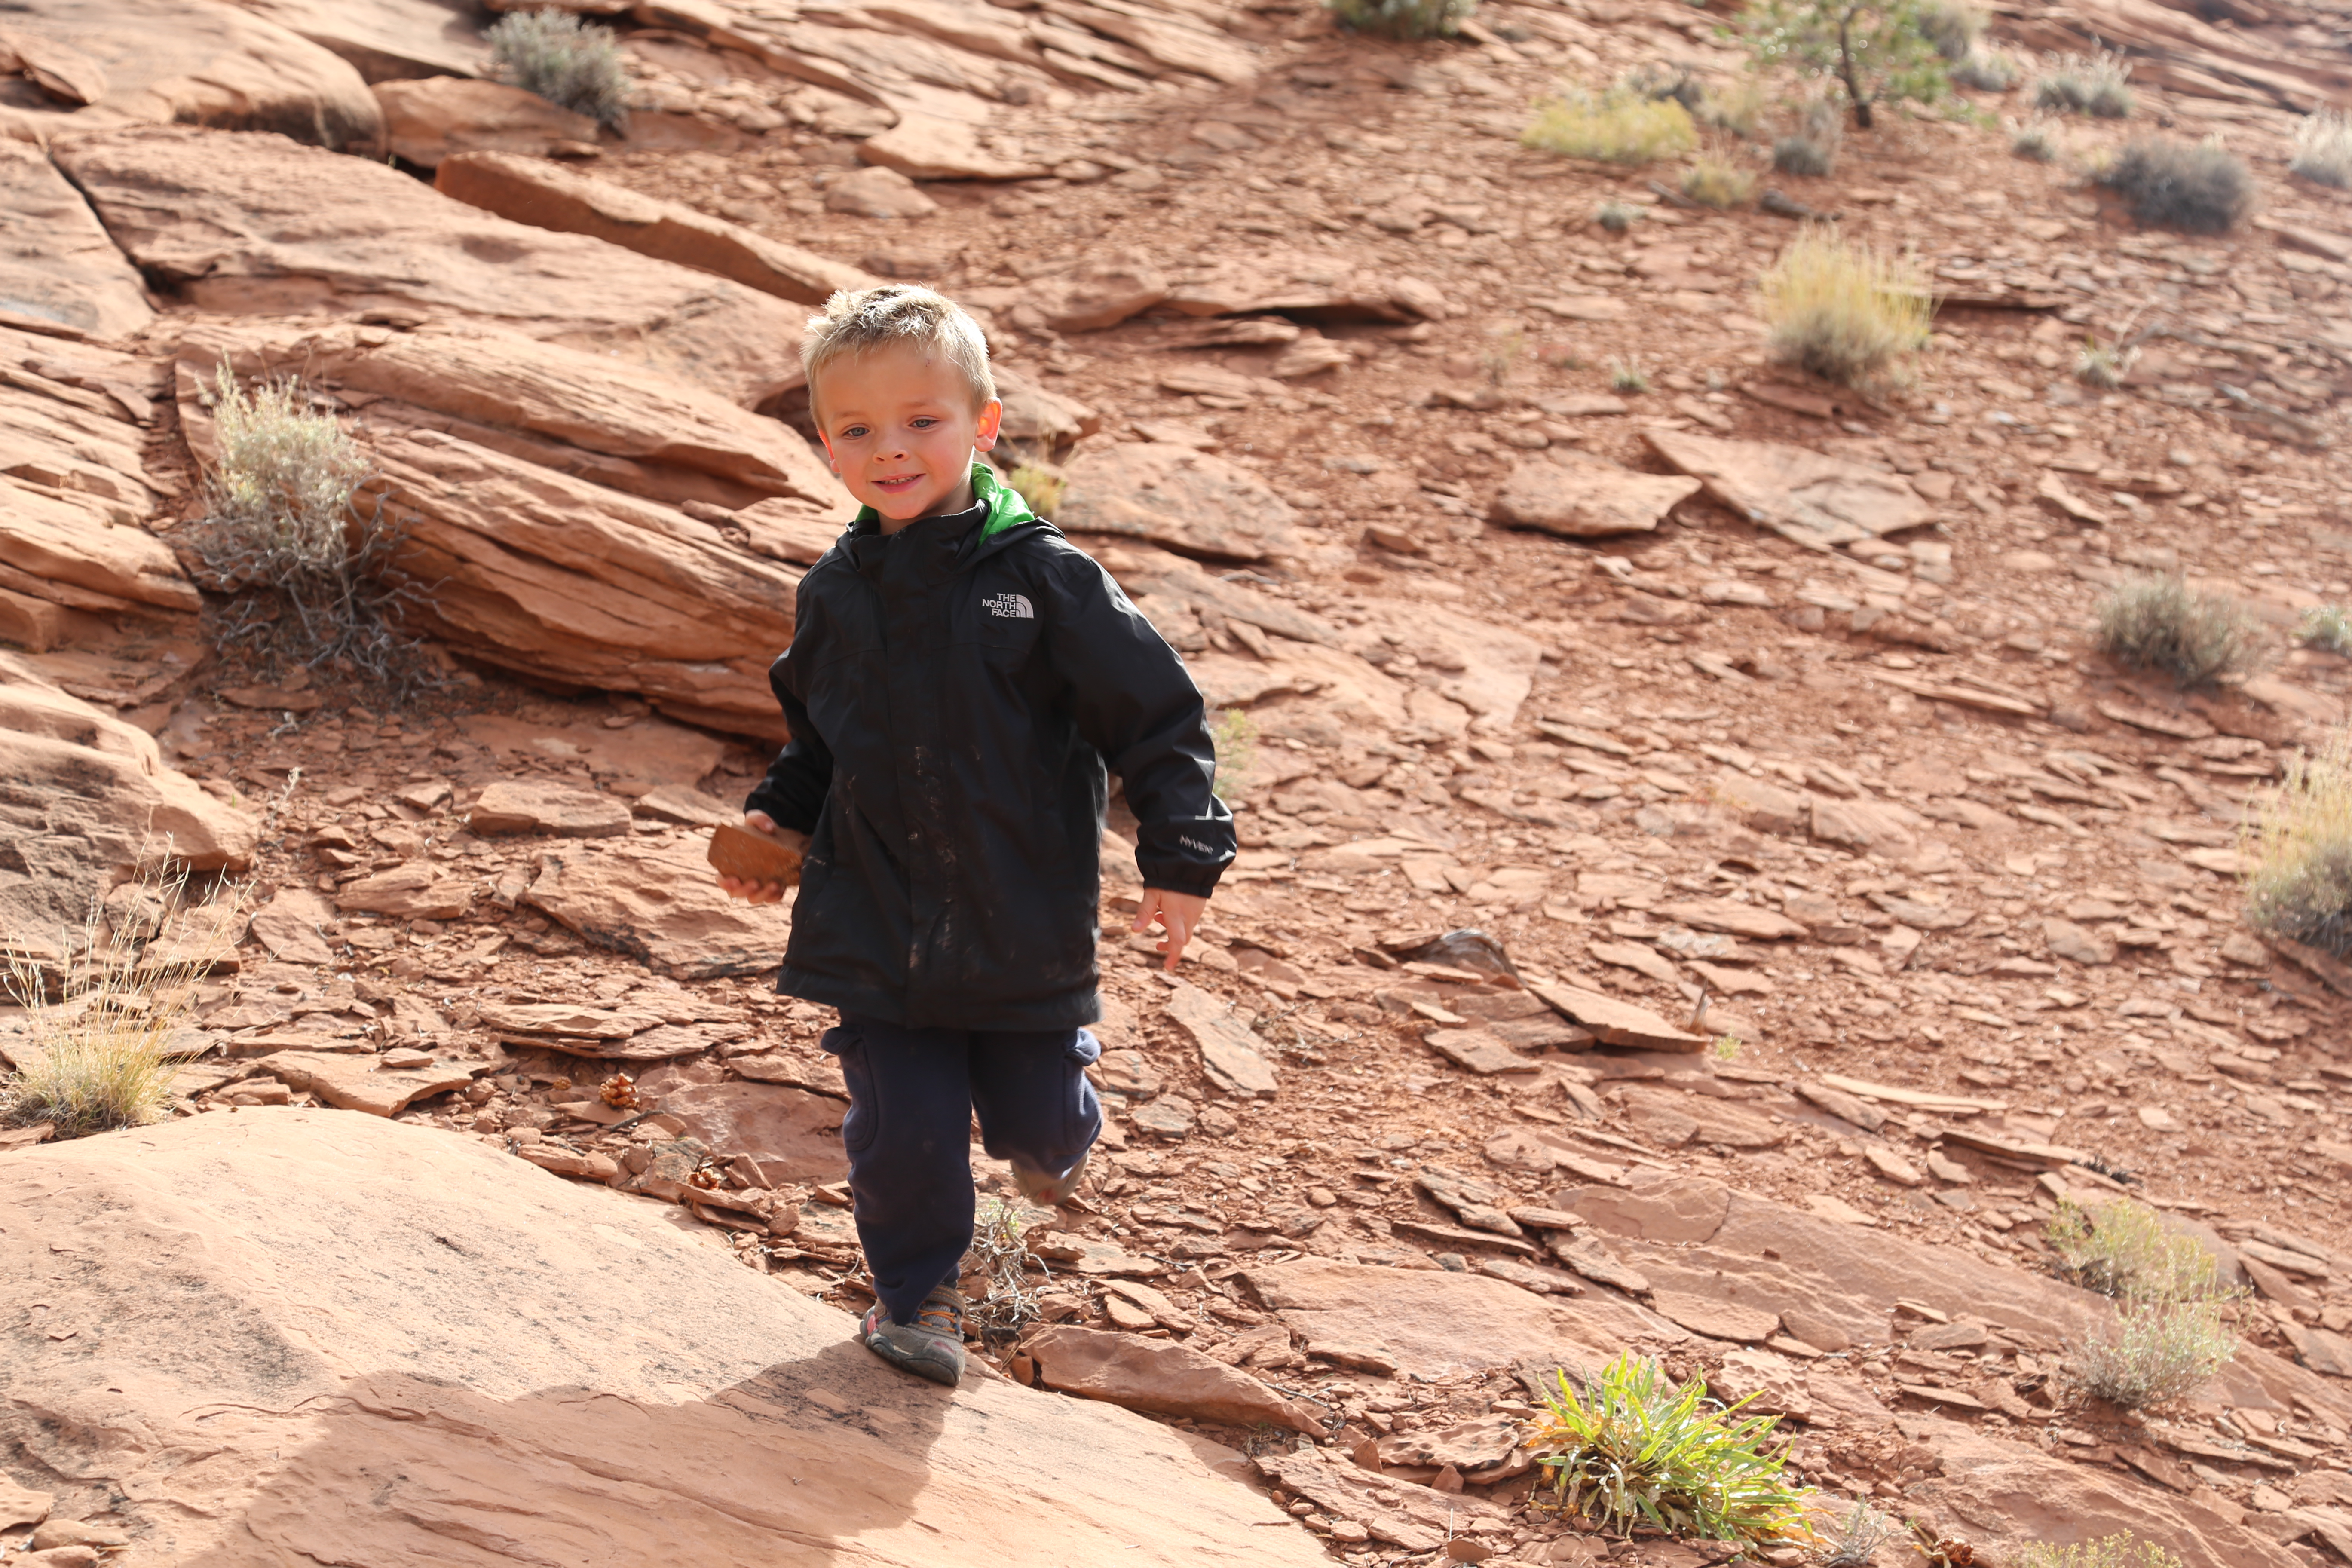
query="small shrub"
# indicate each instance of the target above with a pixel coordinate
(1859, 1536)
(564, 59)
(2199, 187)
(1987, 71)
(1617, 128)
(2301, 884)
(1402, 18)
(1717, 182)
(1619, 216)
(1235, 736)
(1813, 147)
(2125, 1551)
(2155, 623)
(1843, 311)
(2157, 1352)
(100, 1049)
(1740, 110)
(2036, 141)
(1878, 53)
(1000, 1255)
(2323, 150)
(1951, 26)
(1633, 1448)
(2103, 366)
(2123, 1248)
(1627, 375)
(2094, 85)
(285, 527)
(2328, 628)
(1043, 488)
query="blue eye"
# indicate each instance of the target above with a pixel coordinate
(925, 423)
(855, 433)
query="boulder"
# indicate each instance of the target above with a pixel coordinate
(1035, 416)
(364, 1083)
(401, 1344)
(877, 191)
(1581, 498)
(1232, 1055)
(526, 805)
(1192, 502)
(545, 196)
(84, 795)
(413, 891)
(192, 62)
(257, 226)
(1817, 500)
(1104, 290)
(1161, 1376)
(657, 902)
(386, 40)
(433, 120)
(56, 263)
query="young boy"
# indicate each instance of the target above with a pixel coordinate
(959, 676)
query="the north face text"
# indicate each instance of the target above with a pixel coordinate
(1013, 606)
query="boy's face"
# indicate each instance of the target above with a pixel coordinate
(900, 429)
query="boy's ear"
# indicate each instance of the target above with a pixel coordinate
(831, 461)
(992, 416)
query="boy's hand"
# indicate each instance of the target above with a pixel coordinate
(1179, 914)
(763, 892)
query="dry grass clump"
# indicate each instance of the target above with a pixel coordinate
(2328, 628)
(1859, 1536)
(1952, 27)
(1004, 1304)
(2123, 1249)
(96, 1048)
(1626, 375)
(2094, 85)
(2124, 1551)
(1987, 71)
(2301, 884)
(1402, 18)
(2323, 150)
(1634, 1448)
(2036, 141)
(1843, 311)
(2199, 187)
(2154, 621)
(2103, 366)
(1235, 735)
(287, 527)
(1615, 128)
(1040, 486)
(564, 59)
(2158, 1352)
(1717, 182)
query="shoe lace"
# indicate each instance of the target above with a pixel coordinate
(940, 1316)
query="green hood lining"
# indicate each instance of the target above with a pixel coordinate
(1006, 507)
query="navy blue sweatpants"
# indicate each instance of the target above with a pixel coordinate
(912, 1095)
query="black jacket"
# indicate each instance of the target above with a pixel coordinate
(953, 691)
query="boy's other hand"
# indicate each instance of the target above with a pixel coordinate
(1179, 915)
(763, 892)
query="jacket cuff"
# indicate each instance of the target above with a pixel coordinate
(1200, 888)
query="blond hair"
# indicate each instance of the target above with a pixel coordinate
(865, 320)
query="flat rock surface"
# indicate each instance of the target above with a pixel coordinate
(549, 1370)
(1803, 495)
(555, 810)
(1156, 1375)
(55, 262)
(260, 226)
(1192, 502)
(1582, 499)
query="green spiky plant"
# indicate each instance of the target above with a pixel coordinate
(1632, 1447)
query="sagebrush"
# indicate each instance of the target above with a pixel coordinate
(1618, 217)
(1614, 128)
(1402, 18)
(1717, 182)
(2156, 1352)
(1859, 1536)
(2323, 150)
(2159, 623)
(1843, 310)
(2327, 627)
(2097, 85)
(1632, 1447)
(1952, 27)
(99, 1036)
(1987, 71)
(288, 531)
(2201, 188)
(1006, 1302)
(2300, 846)
(1812, 147)
(2035, 140)
(570, 63)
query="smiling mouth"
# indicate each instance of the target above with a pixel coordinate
(897, 482)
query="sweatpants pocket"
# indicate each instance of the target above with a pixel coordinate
(864, 1122)
(1082, 1108)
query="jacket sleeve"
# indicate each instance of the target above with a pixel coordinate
(793, 793)
(1135, 702)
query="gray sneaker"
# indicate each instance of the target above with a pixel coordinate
(1042, 1187)
(931, 1346)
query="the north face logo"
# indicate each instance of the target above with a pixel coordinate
(1013, 606)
